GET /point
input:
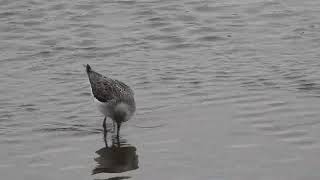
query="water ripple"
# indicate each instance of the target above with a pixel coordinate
(213, 80)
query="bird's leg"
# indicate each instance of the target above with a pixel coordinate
(118, 132)
(105, 132)
(114, 126)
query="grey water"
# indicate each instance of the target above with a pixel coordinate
(224, 89)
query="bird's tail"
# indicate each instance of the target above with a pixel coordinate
(88, 68)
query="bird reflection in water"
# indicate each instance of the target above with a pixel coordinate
(116, 159)
(116, 178)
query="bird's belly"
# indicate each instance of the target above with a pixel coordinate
(102, 107)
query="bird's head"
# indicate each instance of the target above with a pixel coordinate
(121, 112)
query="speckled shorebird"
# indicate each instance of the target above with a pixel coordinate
(113, 98)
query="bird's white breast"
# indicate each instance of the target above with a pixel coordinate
(102, 107)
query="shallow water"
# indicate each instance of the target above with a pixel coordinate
(224, 89)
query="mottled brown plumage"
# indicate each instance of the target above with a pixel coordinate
(115, 99)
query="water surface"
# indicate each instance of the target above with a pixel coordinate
(224, 89)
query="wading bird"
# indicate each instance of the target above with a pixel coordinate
(113, 98)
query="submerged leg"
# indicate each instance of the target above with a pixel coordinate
(114, 126)
(105, 132)
(118, 133)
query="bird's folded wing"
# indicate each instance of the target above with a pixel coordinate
(105, 89)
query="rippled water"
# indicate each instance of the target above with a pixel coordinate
(224, 89)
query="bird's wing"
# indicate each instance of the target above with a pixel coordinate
(105, 89)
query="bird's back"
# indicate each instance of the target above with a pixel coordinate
(107, 90)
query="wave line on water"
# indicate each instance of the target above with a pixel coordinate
(156, 126)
